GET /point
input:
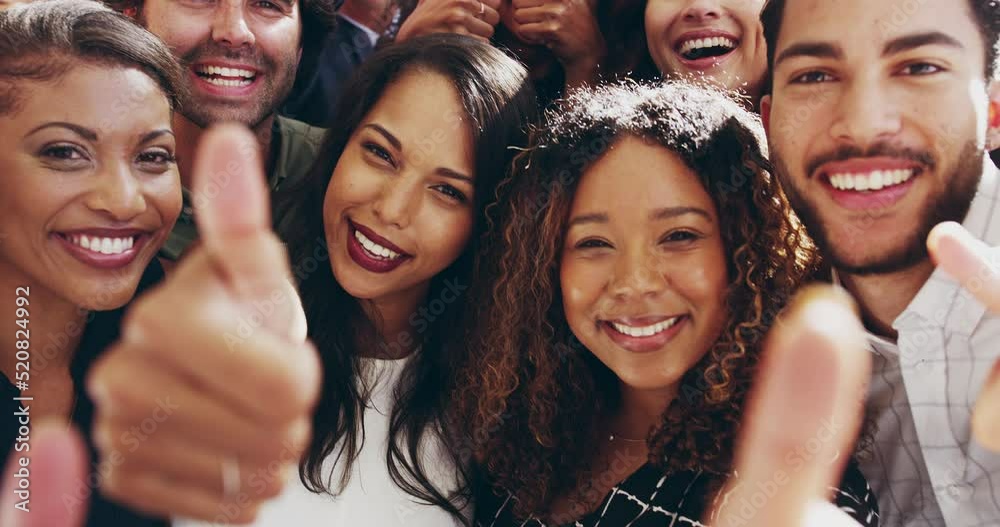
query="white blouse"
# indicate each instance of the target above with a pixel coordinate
(370, 497)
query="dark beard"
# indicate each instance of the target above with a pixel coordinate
(278, 82)
(952, 204)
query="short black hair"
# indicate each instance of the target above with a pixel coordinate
(985, 12)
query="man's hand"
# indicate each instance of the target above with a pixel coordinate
(802, 418)
(974, 265)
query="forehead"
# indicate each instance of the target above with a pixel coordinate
(423, 110)
(637, 175)
(862, 24)
(105, 98)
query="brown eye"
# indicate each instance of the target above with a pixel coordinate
(379, 152)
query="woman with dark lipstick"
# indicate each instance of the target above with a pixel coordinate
(644, 252)
(721, 41)
(90, 192)
(383, 243)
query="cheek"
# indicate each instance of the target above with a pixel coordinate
(443, 235)
(164, 196)
(582, 284)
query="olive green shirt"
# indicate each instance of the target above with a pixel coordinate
(297, 146)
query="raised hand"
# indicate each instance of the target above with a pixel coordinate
(57, 469)
(801, 420)
(464, 17)
(569, 28)
(975, 266)
(204, 407)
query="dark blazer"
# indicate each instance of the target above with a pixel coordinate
(317, 88)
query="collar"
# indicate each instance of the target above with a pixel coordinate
(371, 34)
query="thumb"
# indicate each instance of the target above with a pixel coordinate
(56, 471)
(234, 220)
(801, 418)
(986, 417)
(968, 260)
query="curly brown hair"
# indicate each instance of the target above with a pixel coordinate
(532, 398)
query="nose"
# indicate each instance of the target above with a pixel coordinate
(637, 276)
(398, 201)
(230, 25)
(866, 113)
(702, 10)
(116, 194)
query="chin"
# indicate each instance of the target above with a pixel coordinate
(106, 296)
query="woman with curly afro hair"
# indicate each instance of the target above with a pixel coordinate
(643, 251)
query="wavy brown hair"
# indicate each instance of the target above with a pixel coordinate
(532, 398)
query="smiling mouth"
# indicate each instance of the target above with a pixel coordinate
(226, 77)
(871, 181)
(375, 250)
(703, 48)
(645, 331)
(102, 244)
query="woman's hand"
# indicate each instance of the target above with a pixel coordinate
(465, 17)
(569, 28)
(205, 405)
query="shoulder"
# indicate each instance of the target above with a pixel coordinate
(299, 145)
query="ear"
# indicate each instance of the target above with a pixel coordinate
(765, 113)
(993, 128)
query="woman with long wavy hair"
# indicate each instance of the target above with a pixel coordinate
(643, 254)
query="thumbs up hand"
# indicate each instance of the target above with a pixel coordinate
(205, 405)
(974, 265)
(802, 419)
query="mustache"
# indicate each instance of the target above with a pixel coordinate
(211, 50)
(847, 152)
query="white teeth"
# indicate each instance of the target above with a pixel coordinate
(103, 245)
(375, 248)
(699, 43)
(645, 331)
(226, 72)
(875, 180)
(228, 83)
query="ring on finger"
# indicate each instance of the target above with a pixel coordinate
(230, 478)
(482, 10)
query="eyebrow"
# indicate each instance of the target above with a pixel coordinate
(658, 214)
(398, 145)
(155, 134)
(84, 132)
(930, 38)
(823, 50)
(827, 50)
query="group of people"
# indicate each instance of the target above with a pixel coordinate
(508, 273)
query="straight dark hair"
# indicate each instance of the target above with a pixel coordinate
(986, 14)
(498, 99)
(41, 41)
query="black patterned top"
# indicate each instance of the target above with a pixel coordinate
(647, 498)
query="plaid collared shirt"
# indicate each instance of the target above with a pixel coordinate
(926, 468)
